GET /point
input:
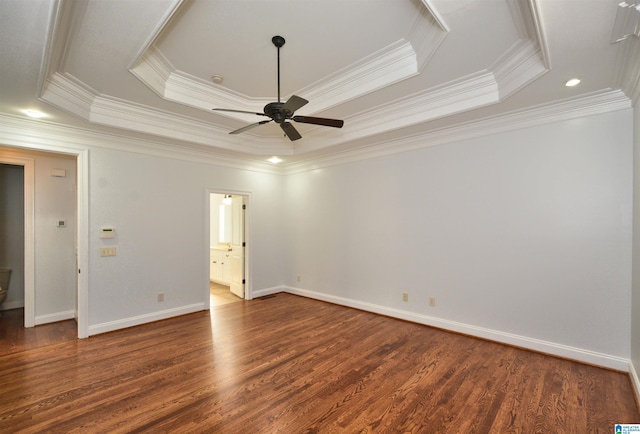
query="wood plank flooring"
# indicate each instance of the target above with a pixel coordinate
(221, 294)
(15, 338)
(287, 364)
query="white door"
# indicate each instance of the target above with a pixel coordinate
(237, 246)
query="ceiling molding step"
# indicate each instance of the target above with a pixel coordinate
(70, 94)
(47, 136)
(386, 66)
(153, 69)
(124, 114)
(389, 65)
(155, 33)
(526, 17)
(195, 92)
(428, 4)
(627, 68)
(468, 93)
(517, 67)
(426, 39)
(56, 41)
(597, 103)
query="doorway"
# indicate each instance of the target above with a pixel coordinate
(61, 214)
(227, 264)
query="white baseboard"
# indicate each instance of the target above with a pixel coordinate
(55, 317)
(142, 319)
(635, 380)
(267, 291)
(560, 350)
(15, 304)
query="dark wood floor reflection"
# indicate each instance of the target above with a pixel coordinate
(14, 337)
(287, 364)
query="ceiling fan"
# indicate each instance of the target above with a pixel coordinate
(280, 112)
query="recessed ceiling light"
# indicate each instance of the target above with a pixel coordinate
(217, 79)
(34, 113)
(275, 160)
(572, 82)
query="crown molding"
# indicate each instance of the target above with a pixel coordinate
(594, 104)
(42, 135)
(387, 66)
(427, 39)
(70, 94)
(48, 136)
(517, 67)
(628, 68)
(428, 4)
(461, 95)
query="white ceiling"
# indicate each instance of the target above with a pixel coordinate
(392, 69)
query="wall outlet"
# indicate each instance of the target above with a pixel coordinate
(405, 296)
(161, 296)
(107, 251)
(432, 301)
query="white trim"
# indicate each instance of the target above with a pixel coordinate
(82, 228)
(55, 317)
(552, 348)
(592, 104)
(269, 291)
(635, 380)
(248, 288)
(46, 136)
(146, 318)
(29, 233)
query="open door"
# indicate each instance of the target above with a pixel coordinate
(237, 246)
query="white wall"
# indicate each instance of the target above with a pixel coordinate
(525, 233)
(214, 215)
(12, 232)
(158, 209)
(55, 256)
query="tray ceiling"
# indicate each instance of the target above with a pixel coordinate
(389, 68)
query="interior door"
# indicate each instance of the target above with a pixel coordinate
(237, 246)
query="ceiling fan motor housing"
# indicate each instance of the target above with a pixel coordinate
(274, 111)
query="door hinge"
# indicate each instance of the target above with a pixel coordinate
(244, 206)
(243, 281)
(244, 244)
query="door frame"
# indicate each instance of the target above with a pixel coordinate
(28, 187)
(19, 155)
(248, 288)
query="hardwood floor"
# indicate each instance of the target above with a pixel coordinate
(15, 338)
(220, 294)
(287, 364)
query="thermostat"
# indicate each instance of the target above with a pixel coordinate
(107, 233)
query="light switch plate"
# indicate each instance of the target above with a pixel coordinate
(107, 251)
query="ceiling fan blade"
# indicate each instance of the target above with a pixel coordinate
(248, 127)
(336, 123)
(294, 103)
(238, 111)
(290, 131)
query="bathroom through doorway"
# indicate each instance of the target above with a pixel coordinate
(227, 276)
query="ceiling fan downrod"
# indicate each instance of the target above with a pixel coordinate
(278, 41)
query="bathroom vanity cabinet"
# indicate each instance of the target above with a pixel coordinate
(220, 266)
